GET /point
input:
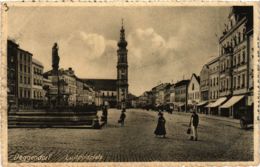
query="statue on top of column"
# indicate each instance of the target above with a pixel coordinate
(55, 57)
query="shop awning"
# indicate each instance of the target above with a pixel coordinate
(233, 100)
(202, 103)
(209, 104)
(179, 104)
(217, 103)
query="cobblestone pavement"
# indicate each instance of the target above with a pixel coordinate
(218, 141)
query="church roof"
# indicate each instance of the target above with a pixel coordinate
(101, 84)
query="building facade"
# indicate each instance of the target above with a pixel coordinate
(37, 83)
(167, 93)
(214, 80)
(143, 100)
(12, 73)
(49, 91)
(236, 61)
(24, 78)
(172, 93)
(194, 91)
(204, 83)
(66, 88)
(106, 90)
(181, 95)
(85, 94)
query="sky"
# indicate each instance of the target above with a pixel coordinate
(165, 44)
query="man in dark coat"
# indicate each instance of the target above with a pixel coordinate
(122, 118)
(194, 122)
(160, 128)
(104, 114)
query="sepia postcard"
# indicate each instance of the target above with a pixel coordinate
(129, 83)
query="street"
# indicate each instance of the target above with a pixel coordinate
(218, 141)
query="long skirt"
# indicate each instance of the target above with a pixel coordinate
(160, 129)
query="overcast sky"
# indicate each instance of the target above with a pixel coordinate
(164, 43)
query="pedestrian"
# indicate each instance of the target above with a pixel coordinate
(122, 118)
(194, 122)
(160, 128)
(104, 113)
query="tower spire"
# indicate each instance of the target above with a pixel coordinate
(122, 42)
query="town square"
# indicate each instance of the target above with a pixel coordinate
(126, 87)
(135, 142)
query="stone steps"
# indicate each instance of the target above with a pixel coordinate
(46, 119)
(53, 126)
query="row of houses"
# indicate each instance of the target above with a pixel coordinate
(225, 83)
(73, 90)
(29, 86)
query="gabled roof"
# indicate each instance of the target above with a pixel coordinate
(196, 77)
(101, 84)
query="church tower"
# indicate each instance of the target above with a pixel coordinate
(122, 69)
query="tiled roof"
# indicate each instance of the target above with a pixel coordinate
(37, 62)
(101, 84)
(182, 82)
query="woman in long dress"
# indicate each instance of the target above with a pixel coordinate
(160, 128)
